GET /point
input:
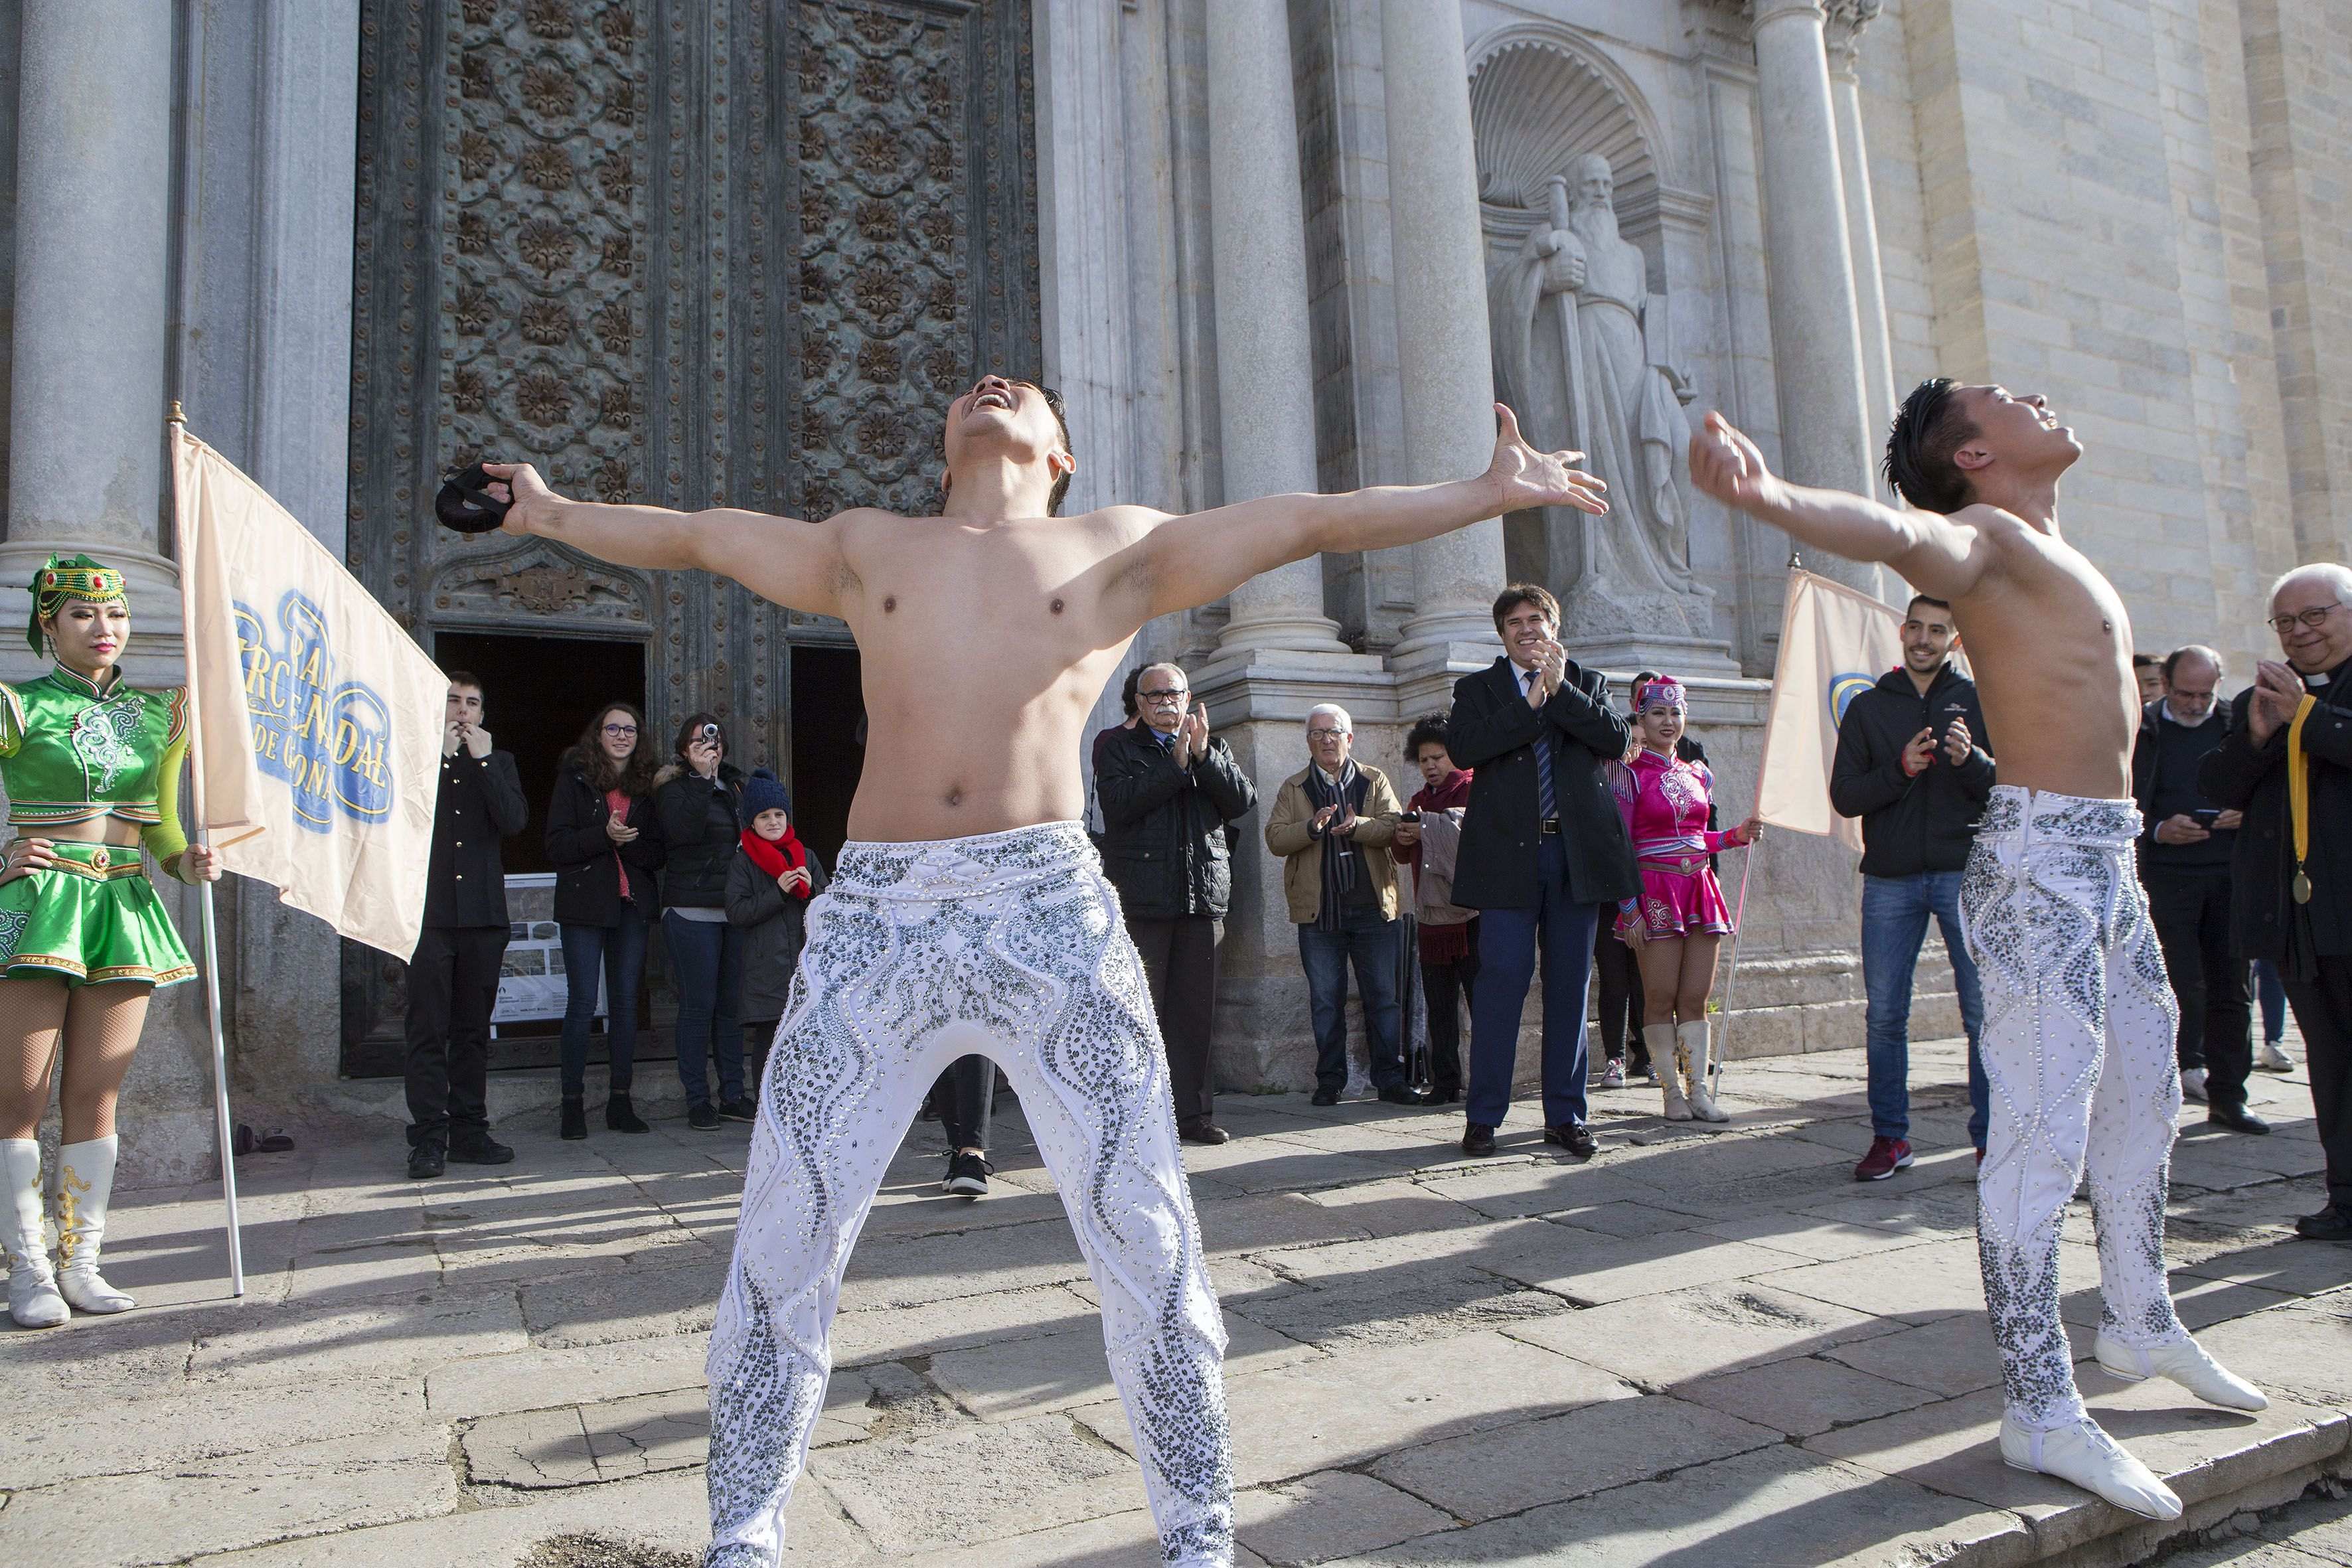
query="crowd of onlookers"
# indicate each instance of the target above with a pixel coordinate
(1552, 830)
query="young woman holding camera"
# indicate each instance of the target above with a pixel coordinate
(697, 806)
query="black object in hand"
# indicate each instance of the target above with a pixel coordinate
(465, 504)
(1408, 817)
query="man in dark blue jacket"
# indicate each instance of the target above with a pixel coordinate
(1912, 763)
(1543, 848)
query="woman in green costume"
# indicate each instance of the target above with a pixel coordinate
(91, 768)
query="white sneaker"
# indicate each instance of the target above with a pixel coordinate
(2185, 1362)
(2086, 1456)
(2271, 1057)
(2192, 1084)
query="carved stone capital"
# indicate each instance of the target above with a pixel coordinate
(1847, 18)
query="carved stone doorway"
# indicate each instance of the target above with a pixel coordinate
(738, 253)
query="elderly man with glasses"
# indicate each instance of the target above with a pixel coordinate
(2286, 764)
(1328, 820)
(1167, 789)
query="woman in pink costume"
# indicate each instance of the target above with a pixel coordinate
(1681, 919)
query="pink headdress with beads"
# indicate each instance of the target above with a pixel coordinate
(1665, 691)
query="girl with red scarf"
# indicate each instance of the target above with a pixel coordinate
(768, 886)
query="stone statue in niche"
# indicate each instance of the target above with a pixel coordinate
(1584, 354)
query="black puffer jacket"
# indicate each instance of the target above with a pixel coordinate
(1164, 844)
(1912, 825)
(699, 835)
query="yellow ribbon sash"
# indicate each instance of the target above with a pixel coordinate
(2298, 796)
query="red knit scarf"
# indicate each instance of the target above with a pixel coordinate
(778, 857)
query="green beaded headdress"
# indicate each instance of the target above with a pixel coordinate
(70, 577)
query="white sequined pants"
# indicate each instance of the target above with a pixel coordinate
(1011, 945)
(2077, 1044)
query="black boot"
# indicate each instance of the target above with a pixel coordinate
(575, 1118)
(620, 1115)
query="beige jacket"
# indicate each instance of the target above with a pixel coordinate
(1432, 893)
(1302, 856)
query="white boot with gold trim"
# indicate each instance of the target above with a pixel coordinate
(1692, 1053)
(33, 1299)
(1668, 1060)
(85, 1189)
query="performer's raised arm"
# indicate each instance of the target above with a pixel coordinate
(1200, 557)
(783, 560)
(1942, 556)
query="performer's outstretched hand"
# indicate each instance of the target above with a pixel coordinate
(1726, 464)
(518, 483)
(1532, 478)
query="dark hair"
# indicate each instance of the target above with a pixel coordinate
(2146, 661)
(1061, 423)
(465, 678)
(635, 777)
(1127, 689)
(2172, 660)
(1919, 599)
(692, 730)
(1518, 593)
(1928, 429)
(1429, 727)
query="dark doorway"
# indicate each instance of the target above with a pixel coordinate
(538, 694)
(828, 730)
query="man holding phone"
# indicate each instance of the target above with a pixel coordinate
(2184, 861)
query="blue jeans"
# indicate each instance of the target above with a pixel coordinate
(1368, 938)
(620, 951)
(2271, 993)
(706, 957)
(1895, 913)
(1507, 940)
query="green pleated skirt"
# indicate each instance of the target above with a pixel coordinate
(93, 918)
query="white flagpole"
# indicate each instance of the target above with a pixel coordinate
(221, 1127)
(1740, 912)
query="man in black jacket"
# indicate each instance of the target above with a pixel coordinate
(1168, 788)
(2293, 884)
(2184, 863)
(452, 976)
(1543, 848)
(1912, 763)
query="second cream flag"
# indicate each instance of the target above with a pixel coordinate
(1835, 643)
(320, 720)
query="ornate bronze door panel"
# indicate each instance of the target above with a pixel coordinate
(693, 252)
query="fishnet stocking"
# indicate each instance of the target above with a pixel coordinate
(99, 1026)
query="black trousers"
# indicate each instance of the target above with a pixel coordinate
(2323, 1011)
(1179, 960)
(1445, 989)
(453, 984)
(1620, 975)
(965, 1098)
(2190, 911)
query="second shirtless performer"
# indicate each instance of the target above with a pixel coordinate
(971, 914)
(2077, 1039)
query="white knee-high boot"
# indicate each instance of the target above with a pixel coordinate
(1667, 1056)
(33, 1299)
(1692, 1051)
(85, 1191)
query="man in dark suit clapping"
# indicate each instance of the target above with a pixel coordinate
(1543, 850)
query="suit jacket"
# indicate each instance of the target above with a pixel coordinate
(2264, 919)
(1494, 733)
(481, 802)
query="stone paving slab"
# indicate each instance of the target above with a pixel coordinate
(1700, 1347)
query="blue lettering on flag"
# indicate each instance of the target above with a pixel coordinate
(1843, 690)
(327, 739)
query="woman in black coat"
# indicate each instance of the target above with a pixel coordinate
(696, 806)
(605, 845)
(769, 884)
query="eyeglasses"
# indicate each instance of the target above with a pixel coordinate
(1325, 734)
(618, 731)
(2313, 618)
(1163, 699)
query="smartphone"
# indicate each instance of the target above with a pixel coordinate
(1408, 817)
(2205, 815)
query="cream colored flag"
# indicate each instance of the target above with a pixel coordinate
(317, 741)
(1835, 643)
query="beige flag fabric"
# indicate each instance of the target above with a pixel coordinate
(317, 741)
(1835, 643)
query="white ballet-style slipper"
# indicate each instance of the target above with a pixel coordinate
(2183, 1361)
(2084, 1454)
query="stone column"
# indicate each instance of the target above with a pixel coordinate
(1846, 21)
(1442, 340)
(1825, 435)
(1265, 367)
(93, 237)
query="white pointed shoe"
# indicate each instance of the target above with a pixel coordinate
(1664, 1060)
(33, 1299)
(2084, 1455)
(85, 1192)
(2184, 1361)
(1694, 1051)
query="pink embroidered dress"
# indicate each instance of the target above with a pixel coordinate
(1664, 802)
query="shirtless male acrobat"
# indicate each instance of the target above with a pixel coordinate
(970, 913)
(2079, 1018)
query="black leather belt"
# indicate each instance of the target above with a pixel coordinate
(1549, 825)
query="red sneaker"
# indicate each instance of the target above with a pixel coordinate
(1887, 1156)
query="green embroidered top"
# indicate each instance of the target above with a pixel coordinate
(69, 752)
